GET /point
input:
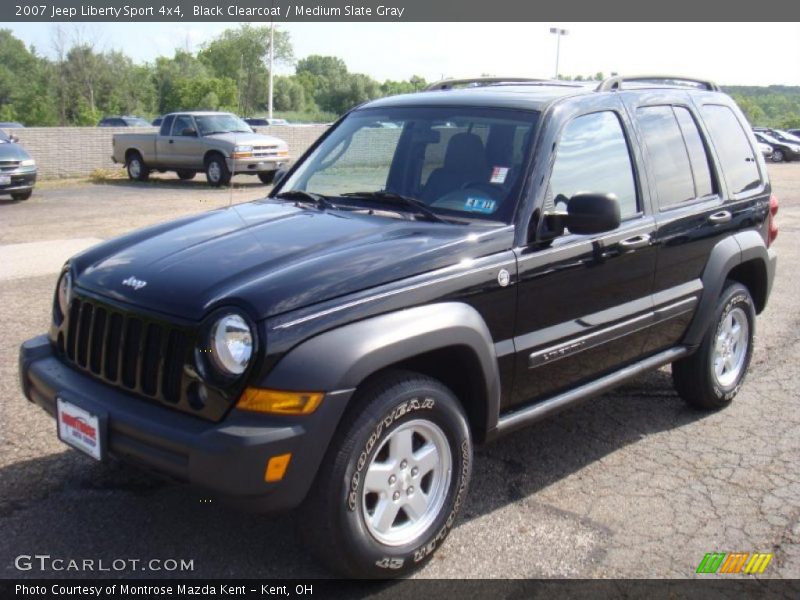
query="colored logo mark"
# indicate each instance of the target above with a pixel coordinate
(734, 562)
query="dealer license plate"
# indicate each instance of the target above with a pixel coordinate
(79, 428)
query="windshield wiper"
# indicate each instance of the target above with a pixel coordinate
(303, 196)
(399, 200)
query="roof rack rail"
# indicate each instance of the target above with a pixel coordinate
(447, 84)
(611, 84)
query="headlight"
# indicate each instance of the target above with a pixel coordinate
(231, 344)
(243, 149)
(28, 162)
(64, 292)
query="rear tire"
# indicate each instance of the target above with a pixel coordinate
(711, 377)
(22, 195)
(217, 173)
(393, 480)
(778, 156)
(137, 170)
(186, 175)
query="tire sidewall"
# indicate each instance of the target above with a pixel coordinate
(136, 159)
(736, 297)
(222, 171)
(429, 404)
(777, 156)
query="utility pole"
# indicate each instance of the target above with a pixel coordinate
(271, 63)
(558, 32)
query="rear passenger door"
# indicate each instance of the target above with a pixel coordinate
(705, 179)
(584, 302)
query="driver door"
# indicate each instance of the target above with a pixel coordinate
(584, 301)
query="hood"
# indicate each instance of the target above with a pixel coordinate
(247, 139)
(271, 257)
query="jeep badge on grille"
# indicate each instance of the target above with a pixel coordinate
(136, 284)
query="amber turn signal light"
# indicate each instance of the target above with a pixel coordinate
(276, 467)
(279, 402)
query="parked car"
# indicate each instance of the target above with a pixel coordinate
(17, 170)
(157, 121)
(794, 132)
(264, 122)
(766, 149)
(11, 125)
(341, 345)
(123, 122)
(781, 151)
(221, 144)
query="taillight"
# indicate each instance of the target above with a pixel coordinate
(773, 228)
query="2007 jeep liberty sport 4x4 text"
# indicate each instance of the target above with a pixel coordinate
(438, 269)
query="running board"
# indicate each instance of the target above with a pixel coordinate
(540, 410)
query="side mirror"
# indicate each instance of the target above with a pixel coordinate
(13, 139)
(589, 212)
(189, 132)
(279, 175)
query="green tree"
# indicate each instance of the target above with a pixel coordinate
(241, 55)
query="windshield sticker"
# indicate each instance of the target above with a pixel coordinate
(499, 175)
(480, 205)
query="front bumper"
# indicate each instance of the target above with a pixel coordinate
(20, 182)
(228, 458)
(255, 165)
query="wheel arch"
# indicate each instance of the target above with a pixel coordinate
(447, 341)
(742, 257)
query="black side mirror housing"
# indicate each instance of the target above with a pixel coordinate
(589, 212)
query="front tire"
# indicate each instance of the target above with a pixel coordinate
(711, 377)
(267, 177)
(778, 156)
(137, 170)
(393, 481)
(22, 195)
(217, 173)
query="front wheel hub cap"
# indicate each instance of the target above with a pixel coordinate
(394, 511)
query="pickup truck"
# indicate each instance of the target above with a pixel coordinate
(219, 144)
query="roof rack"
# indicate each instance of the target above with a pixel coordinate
(448, 84)
(611, 84)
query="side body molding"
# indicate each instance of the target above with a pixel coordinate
(727, 254)
(342, 358)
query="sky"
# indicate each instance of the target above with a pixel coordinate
(728, 53)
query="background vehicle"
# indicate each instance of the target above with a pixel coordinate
(781, 151)
(157, 121)
(794, 132)
(264, 121)
(506, 251)
(766, 149)
(123, 122)
(17, 171)
(220, 144)
(11, 125)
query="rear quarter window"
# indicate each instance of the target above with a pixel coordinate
(736, 156)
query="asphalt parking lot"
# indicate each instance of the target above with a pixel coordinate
(632, 484)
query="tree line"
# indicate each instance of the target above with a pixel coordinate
(79, 84)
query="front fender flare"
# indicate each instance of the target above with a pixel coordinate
(342, 358)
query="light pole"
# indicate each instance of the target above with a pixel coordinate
(271, 63)
(559, 32)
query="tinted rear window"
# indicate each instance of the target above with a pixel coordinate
(733, 148)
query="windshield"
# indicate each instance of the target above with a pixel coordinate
(786, 136)
(461, 162)
(226, 123)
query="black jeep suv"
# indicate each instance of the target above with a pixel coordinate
(503, 250)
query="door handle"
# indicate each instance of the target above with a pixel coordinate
(171, 141)
(722, 216)
(638, 241)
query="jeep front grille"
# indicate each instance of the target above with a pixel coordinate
(133, 352)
